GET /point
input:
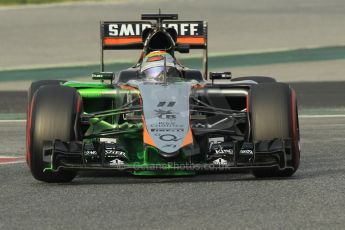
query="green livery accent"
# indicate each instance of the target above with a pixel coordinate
(48, 169)
(94, 85)
(109, 118)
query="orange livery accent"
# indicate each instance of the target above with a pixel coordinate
(128, 87)
(121, 40)
(147, 138)
(198, 86)
(193, 40)
(188, 139)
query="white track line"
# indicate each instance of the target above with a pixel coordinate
(322, 116)
(7, 157)
(10, 121)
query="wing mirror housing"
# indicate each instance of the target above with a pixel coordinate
(103, 76)
(182, 48)
(220, 75)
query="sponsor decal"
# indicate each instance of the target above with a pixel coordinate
(125, 29)
(108, 140)
(220, 161)
(90, 153)
(166, 103)
(168, 137)
(113, 29)
(246, 152)
(167, 130)
(222, 150)
(89, 150)
(121, 153)
(247, 149)
(114, 153)
(109, 152)
(165, 114)
(169, 146)
(167, 124)
(116, 162)
(215, 140)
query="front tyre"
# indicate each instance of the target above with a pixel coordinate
(273, 108)
(31, 92)
(38, 84)
(53, 114)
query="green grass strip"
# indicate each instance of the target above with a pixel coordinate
(12, 116)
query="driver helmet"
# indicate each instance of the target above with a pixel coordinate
(155, 63)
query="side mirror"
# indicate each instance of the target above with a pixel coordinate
(103, 76)
(220, 75)
(182, 48)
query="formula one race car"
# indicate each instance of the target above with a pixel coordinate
(160, 117)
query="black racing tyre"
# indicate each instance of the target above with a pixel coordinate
(258, 79)
(32, 90)
(54, 114)
(37, 84)
(273, 109)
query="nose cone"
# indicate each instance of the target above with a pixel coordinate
(166, 114)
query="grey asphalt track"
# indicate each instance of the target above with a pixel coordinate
(312, 199)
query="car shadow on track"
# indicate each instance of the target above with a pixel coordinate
(86, 178)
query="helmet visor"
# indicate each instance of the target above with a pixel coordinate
(154, 72)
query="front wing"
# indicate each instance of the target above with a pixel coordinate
(59, 155)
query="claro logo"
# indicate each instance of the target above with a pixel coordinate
(130, 29)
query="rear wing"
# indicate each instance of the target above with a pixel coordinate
(126, 35)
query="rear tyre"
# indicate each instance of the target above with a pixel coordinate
(273, 108)
(54, 114)
(258, 79)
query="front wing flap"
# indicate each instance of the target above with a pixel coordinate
(59, 155)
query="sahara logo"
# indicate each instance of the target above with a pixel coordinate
(165, 114)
